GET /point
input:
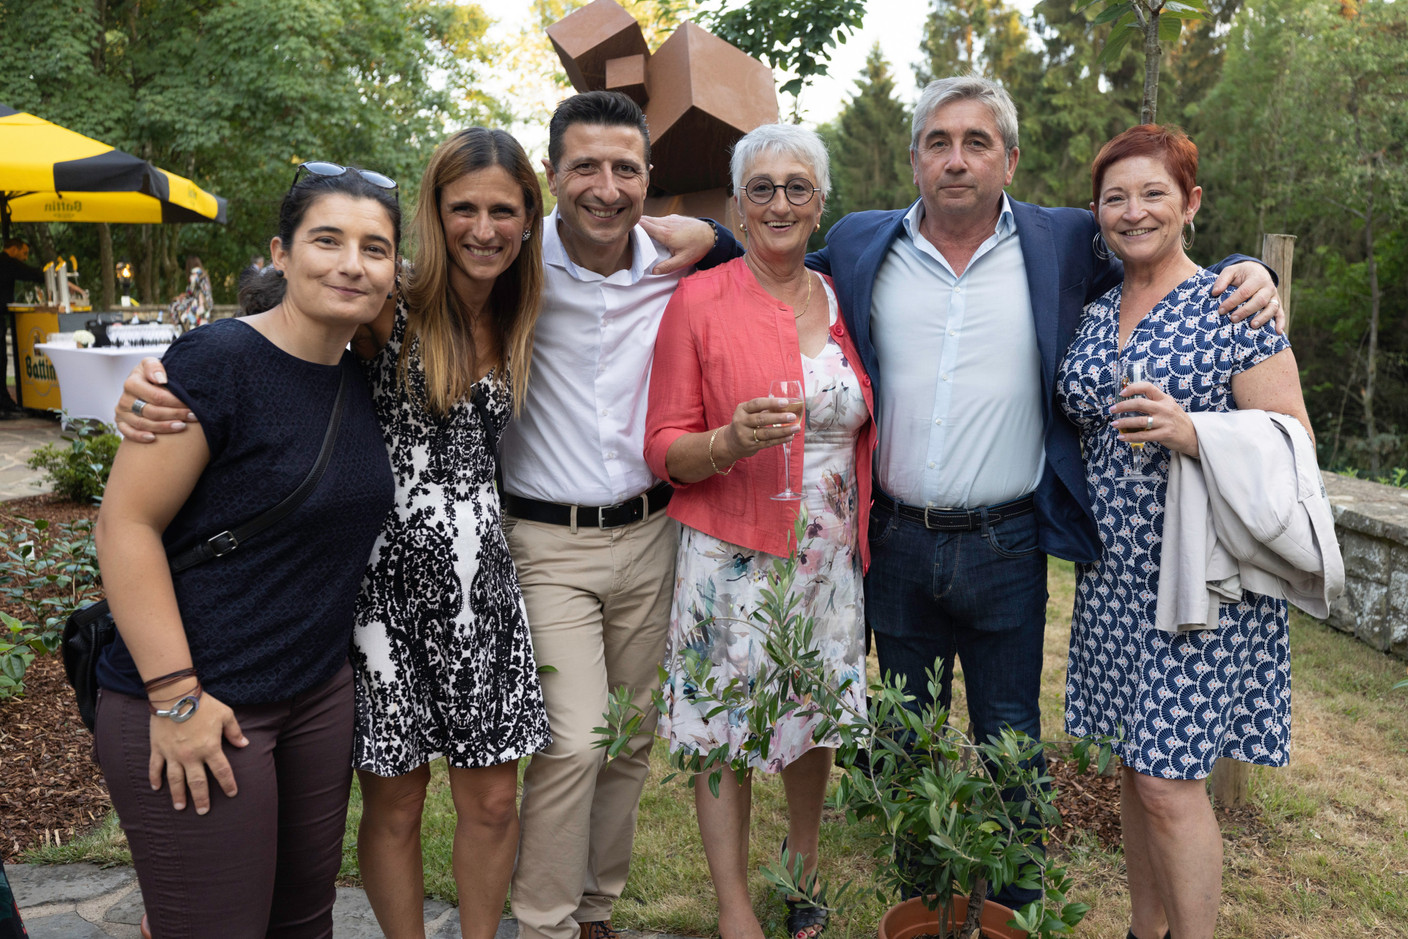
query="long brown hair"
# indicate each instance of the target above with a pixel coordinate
(447, 349)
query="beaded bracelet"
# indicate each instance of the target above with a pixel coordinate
(717, 471)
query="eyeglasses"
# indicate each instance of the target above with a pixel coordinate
(320, 168)
(798, 190)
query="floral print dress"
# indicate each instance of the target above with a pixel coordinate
(1176, 703)
(718, 584)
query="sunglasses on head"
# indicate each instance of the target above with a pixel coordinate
(321, 168)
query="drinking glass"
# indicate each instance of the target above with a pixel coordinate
(789, 396)
(1135, 370)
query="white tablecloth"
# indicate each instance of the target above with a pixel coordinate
(90, 380)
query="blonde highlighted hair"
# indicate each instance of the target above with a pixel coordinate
(445, 335)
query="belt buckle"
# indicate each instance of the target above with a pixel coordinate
(926, 519)
(643, 499)
(601, 516)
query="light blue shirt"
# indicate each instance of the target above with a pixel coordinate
(960, 399)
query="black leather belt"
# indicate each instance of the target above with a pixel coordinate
(953, 519)
(591, 516)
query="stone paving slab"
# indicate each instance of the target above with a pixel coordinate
(18, 440)
(85, 901)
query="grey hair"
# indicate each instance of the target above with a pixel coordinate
(787, 140)
(940, 92)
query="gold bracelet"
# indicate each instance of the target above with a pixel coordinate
(717, 471)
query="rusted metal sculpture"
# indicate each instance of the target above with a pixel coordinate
(699, 94)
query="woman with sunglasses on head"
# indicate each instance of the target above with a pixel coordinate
(714, 429)
(235, 672)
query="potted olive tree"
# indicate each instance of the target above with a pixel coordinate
(952, 817)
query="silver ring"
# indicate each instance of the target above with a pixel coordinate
(1148, 422)
(138, 406)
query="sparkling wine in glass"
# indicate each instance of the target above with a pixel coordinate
(1131, 371)
(789, 397)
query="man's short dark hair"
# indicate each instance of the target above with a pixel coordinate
(16, 243)
(605, 108)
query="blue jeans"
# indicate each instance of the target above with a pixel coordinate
(979, 595)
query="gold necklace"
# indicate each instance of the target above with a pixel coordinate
(808, 302)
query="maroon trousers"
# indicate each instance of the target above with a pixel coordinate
(262, 863)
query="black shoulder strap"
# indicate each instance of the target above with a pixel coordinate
(227, 541)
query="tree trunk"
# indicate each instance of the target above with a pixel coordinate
(1278, 251)
(107, 300)
(1371, 366)
(1153, 58)
(146, 266)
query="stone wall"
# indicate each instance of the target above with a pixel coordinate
(1371, 521)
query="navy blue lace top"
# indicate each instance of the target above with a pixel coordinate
(274, 618)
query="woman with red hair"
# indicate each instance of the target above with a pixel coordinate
(1174, 700)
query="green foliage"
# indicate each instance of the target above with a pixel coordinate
(1308, 134)
(986, 37)
(235, 94)
(47, 571)
(793, 35)
(79, 471)
(869, 147)
(1146, 24)
(948, 814)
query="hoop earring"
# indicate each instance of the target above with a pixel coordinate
(1099, 248)
(1188, 238)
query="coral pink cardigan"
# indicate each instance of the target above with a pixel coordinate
(723, 340)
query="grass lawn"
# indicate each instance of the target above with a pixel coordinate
(1321, 852)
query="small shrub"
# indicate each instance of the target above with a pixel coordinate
(47, 571)
(79, 471)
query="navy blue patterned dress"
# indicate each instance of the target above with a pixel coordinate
(1177, 702)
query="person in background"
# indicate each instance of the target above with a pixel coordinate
(193, 306)
(235, 672)
(14, 268)
(714, 430)
(1175, 702)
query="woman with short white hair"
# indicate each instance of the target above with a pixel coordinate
(714, 430)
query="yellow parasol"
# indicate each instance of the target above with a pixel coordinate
(51, 174)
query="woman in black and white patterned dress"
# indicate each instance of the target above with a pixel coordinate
(444, 664)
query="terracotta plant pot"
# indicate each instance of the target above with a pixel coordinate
(912, 918)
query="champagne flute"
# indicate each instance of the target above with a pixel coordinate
(789, 393)
(1132, 371)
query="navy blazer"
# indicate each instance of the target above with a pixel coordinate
(1063, 275)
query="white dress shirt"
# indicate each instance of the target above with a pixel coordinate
(580, 437)
(960, 403)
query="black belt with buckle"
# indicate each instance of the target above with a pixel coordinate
(591, 516)
(954, 519)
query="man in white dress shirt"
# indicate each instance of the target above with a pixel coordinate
(586, 519)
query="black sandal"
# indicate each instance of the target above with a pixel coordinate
(803, 915)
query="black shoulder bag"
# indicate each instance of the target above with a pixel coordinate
(91, 629)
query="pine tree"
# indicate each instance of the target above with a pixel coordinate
(869, 144)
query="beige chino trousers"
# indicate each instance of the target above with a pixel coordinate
(598, 608)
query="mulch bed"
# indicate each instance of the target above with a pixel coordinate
(50, 789)
(1089, 803)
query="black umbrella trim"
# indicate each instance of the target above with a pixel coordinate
(113, 171)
